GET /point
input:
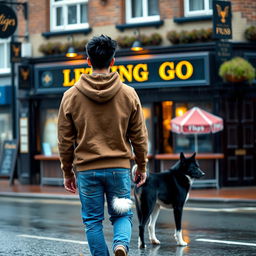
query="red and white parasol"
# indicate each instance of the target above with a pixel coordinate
(197, 121)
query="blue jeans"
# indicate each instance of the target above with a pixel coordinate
(92, 186)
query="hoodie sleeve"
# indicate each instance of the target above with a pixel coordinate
(138, 134)
(66, 138)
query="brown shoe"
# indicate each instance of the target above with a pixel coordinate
(120, 251)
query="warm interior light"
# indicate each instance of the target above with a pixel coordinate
(167, 108)
(180, 111)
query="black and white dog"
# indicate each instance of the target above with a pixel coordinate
(169, 189)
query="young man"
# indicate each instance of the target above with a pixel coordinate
(100, 118)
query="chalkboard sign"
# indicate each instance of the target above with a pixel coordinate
(8, 158)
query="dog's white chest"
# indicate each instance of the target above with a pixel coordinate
(162, 204)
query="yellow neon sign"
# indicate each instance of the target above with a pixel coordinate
(168, 70)
(136, 72)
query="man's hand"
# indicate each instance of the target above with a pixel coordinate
(70, 184)
(140, 177)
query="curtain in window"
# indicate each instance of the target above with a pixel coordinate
(196, 5)
(72, 14)
(2, 53)
(153, 7)
(83, 13)
(59, 16)
(210, 4)
(137, 8)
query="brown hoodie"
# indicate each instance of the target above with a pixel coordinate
(99, 119)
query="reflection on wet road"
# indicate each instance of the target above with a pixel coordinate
(32, 227)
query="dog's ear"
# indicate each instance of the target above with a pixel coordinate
(182, 157)
(193, 156)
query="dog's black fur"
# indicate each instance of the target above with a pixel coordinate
(169, 189)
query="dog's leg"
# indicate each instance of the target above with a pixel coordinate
(146, 210)
(152, 224)
(141, 241)
(178, 233)
(143, 215)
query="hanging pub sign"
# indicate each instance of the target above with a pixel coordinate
(15, 52)
(222, 25)
(24, 77)
(165, 70)
(8, 21)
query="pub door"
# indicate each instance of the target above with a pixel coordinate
(239, 142)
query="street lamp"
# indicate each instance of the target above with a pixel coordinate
(136, 46)
(71, 52)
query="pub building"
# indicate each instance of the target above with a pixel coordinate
(169, 81)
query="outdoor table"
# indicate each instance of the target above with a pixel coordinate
(50, 171)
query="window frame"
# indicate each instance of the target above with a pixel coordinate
(6, 54)
(144, 18)
(64, 4)
(206, 11)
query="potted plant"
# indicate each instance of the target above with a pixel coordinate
(53, 48)
(173, 36)
(237, 70)
(186, 37)
(125, 41)
(250, 33)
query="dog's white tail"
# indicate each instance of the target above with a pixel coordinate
(134, 168)
(121, 205)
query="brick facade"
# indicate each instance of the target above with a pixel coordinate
(101, 14)
(247, 9)
(39, 18)
(112, 12)
(170, 9)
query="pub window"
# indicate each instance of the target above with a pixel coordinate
(69, 14)
(197, 7)
(5, 56)
(49, 132)
(147, 111)
(5, 125)
(142, 11)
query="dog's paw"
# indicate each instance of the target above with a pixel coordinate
(155, 241)
(179, 239)
(141, 245)
(182, 243)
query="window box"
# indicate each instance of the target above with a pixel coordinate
(156, 24)
(69, 32)
(192, 19)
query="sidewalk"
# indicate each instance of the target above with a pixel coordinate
(228, 194)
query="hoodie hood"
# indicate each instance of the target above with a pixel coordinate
(99, 87)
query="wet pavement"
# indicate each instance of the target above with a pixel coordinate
(46, 227)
